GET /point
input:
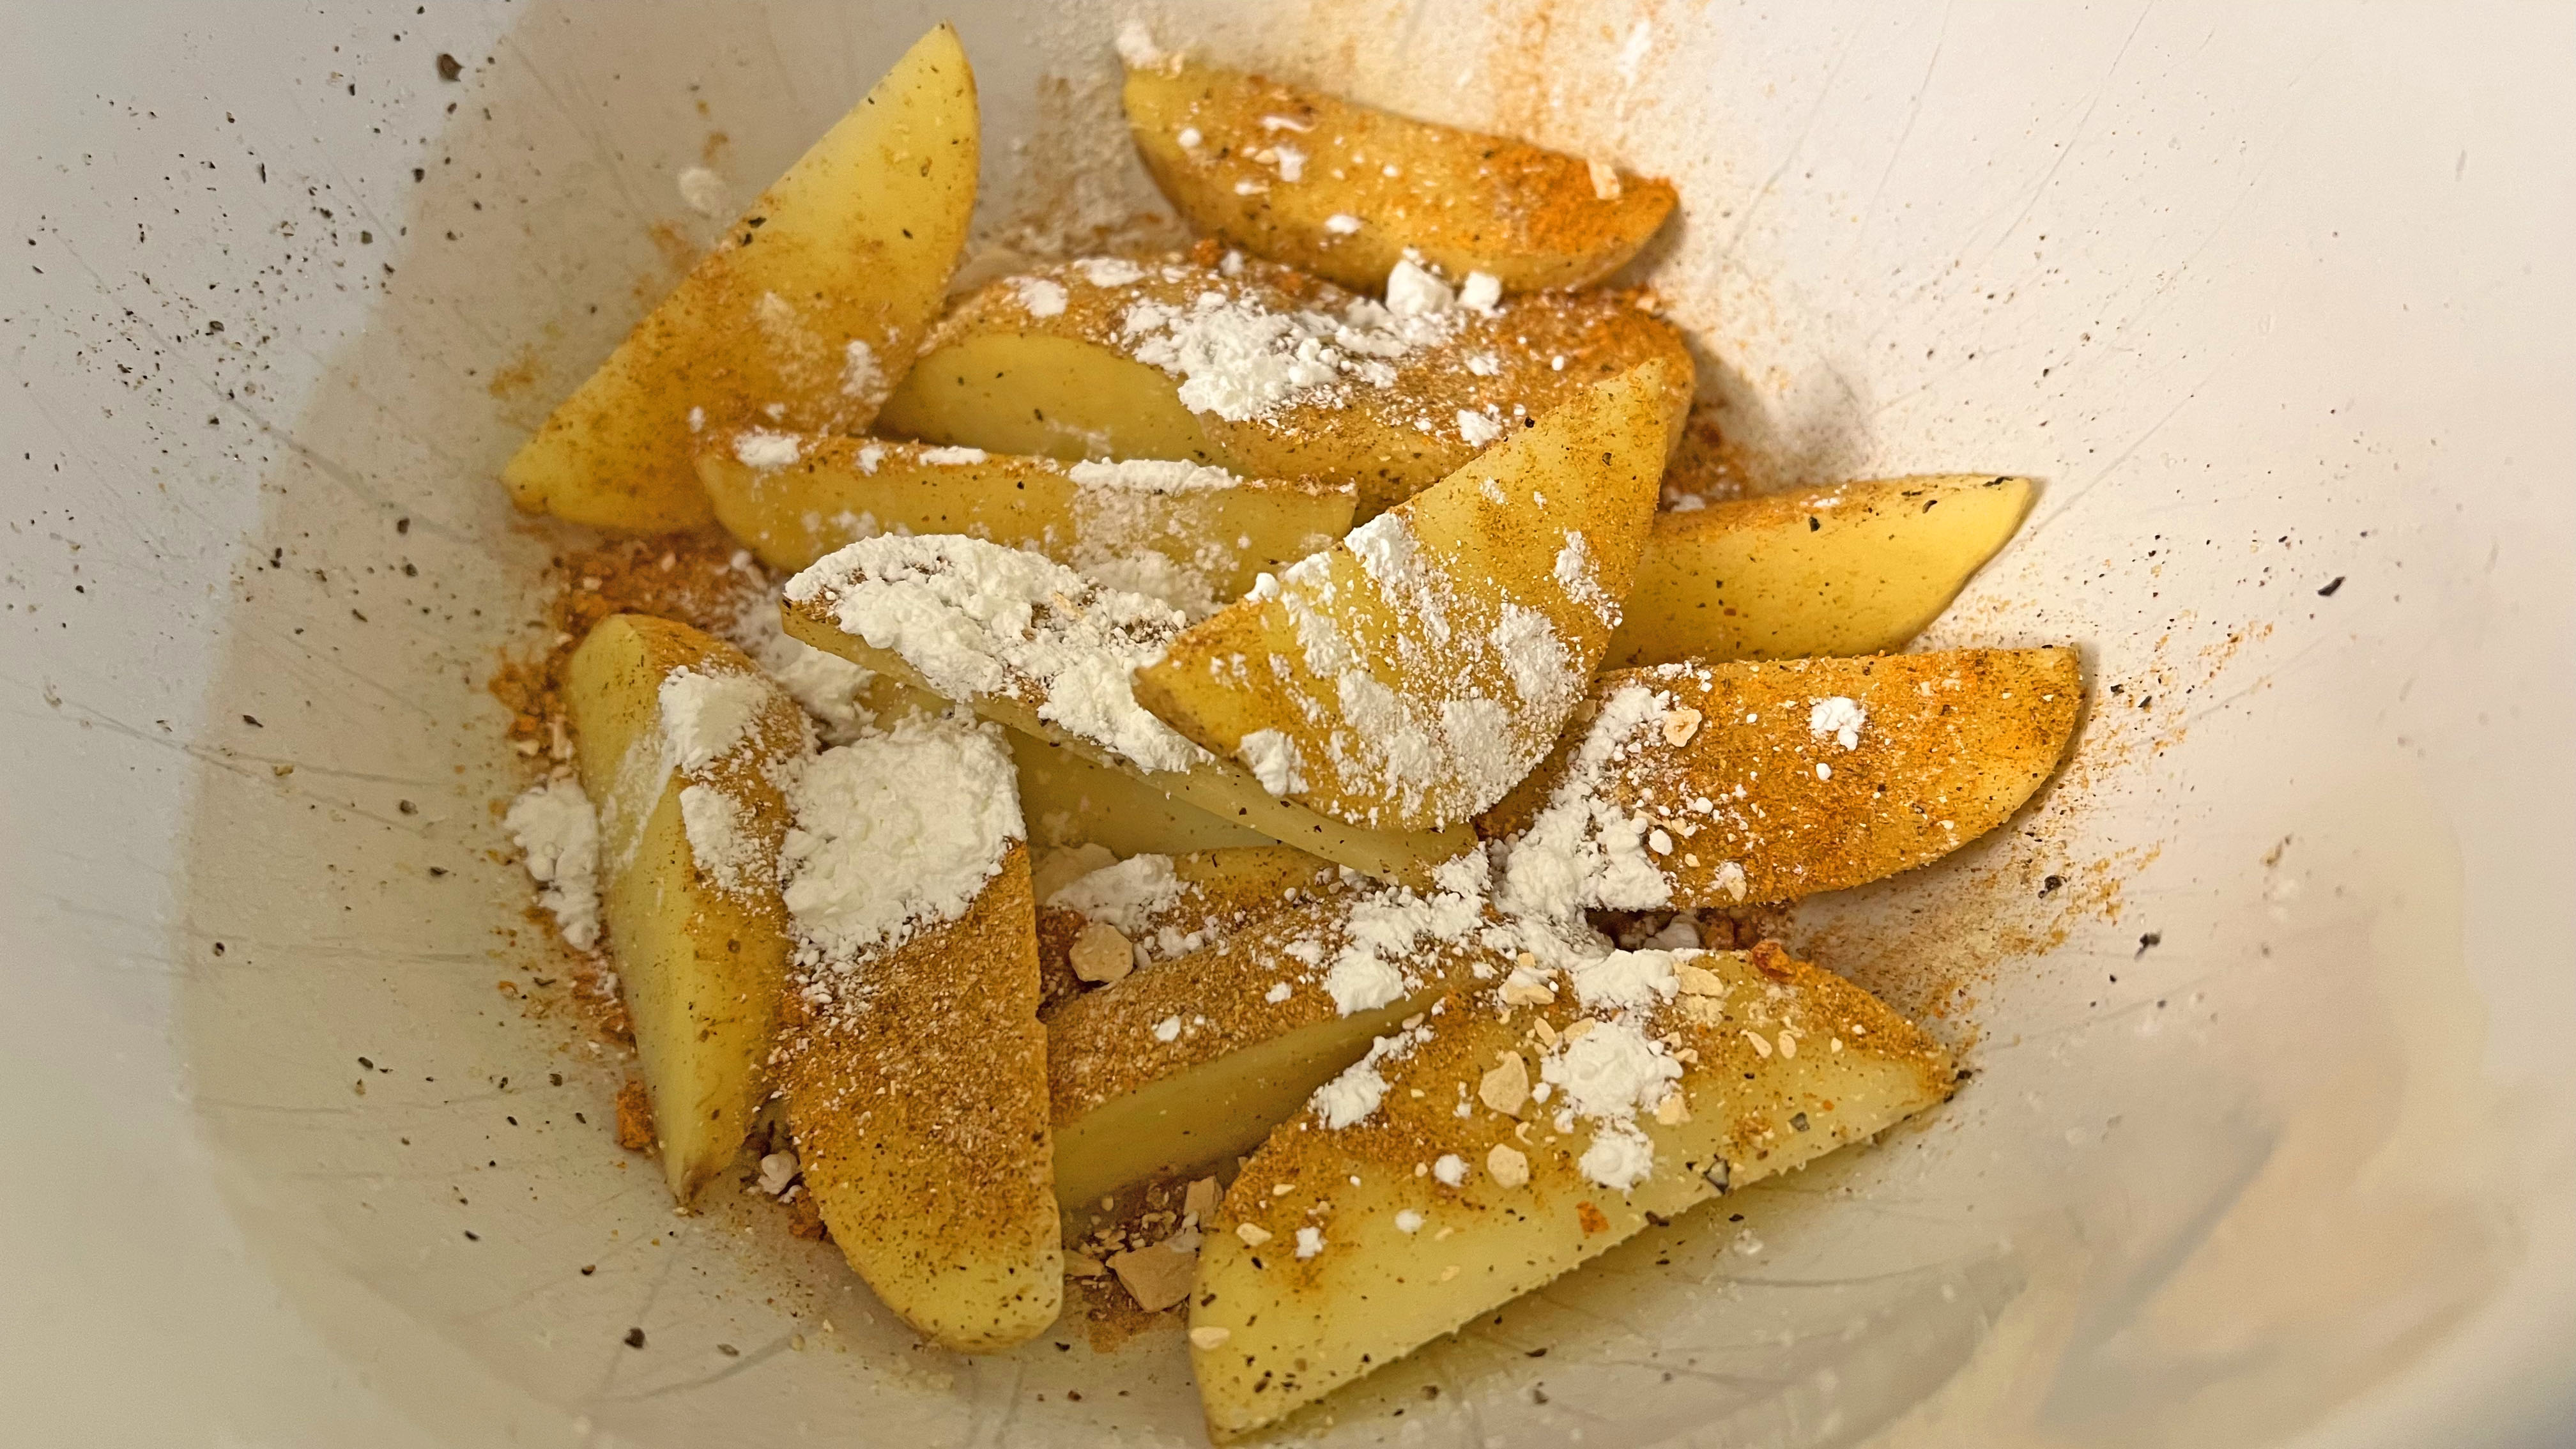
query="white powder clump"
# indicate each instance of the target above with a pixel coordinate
(861, 375)
(1386, 931)
(1477, 429)
(1411, 291)
(558, 835)
(1136, 46)
(1481, 292)
(1151, 475)
(762, 448)
(1582, 849)
(1637, 979)
(1352, 1096)
(1451, 1169)
(1272, 758)
(895, 832)
(1841, 717)
(1106, 272)
(1310, 1241)
(704, 716)
(1620, 1157)
(976, 618)
(1342, 223)
(951, 456)
(1574, 574)
(1243, 351)
(1039, 296)
(704, 192)
(720, 839)
(828, 687)
(1128, 895)
(1408, 1221)
(1611, 1072)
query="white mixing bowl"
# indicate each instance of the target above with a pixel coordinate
(2269, 998)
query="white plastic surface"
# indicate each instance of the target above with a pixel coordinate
(2271, 1133)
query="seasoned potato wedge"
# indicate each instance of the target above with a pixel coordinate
(1344, 190)
(812, 304)
(1160, 906)
(699, 935)
(1853, 569)
(1029, 643)
(1192, 1061)
(920, 1123)
(1192, 536)
(1073, 799)
(1710, 785)
(1263, 371)
(1343, 1247)
(1409, 676)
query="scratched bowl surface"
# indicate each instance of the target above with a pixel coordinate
(2269, 1134)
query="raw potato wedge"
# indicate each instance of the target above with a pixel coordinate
(1193, 1061)
(1859, 568)
(920, 1124)
(970, 621)
(1276, 1323)
(812, 303)
(700, 947)
(1412, 674)
(1163, 906)
(1192, 536)
(1114, 358)
(1713, 785)
(1343, 190)
(1073, 799)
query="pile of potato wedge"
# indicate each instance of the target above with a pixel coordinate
(1417, 614)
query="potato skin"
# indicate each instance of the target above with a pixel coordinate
(1532, 218)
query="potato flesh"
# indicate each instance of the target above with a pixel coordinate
(1758, 805)
(1827, 572)
(998, 376)
(921, 1124)
(1218, 789)
(699, 966)
(853, 246)
(1533, 219)
(1242, 1055)
(1072, 799)
(1056, 397)
(1216, 540)
(1413, 618)
(1296, 1328)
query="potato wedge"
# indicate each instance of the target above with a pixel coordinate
(1343, 1247)
(1858, 568)
(1344, 190)
(1073, 799)
(811, 305)
(910, 1056)
(677, 739)
(1157, 906)
(1411, 675)
(1714, 785)
(1194, 537)
(1192, 1061)
(1033, 645)
(1263, 371)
